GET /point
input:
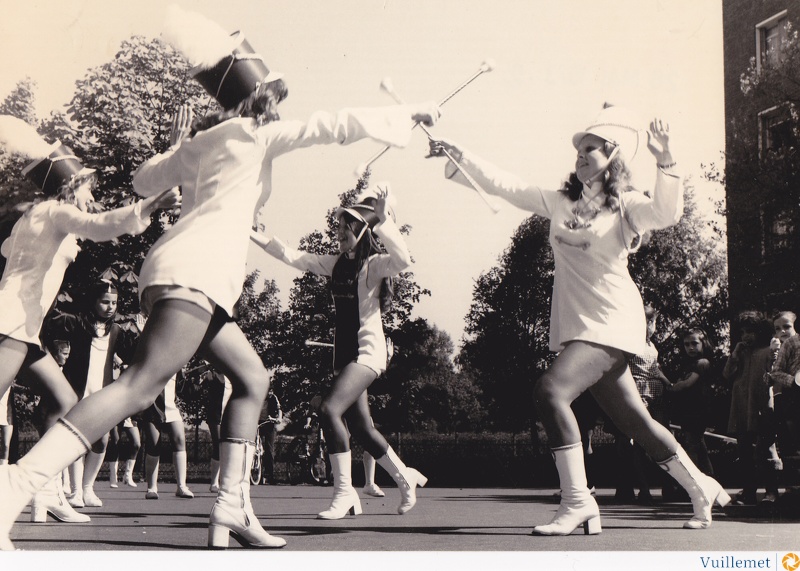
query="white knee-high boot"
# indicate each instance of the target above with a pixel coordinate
(345, 497)
(179, 463)
(233, 512)
(128, 478)
(370, 487)
(59, 446)
(76, 483)
(214, 487)
(113, 468)
(92, 463)
(703, 490)
(151, 474)
(407, 479)
(577, 506)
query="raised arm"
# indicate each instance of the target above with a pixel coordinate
(494, 180)
(397, 257)
(665, 208)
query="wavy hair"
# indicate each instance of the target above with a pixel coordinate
(616, 180)
(258, 105)
(367, 246)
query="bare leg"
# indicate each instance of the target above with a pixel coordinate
(41, 370)
(172, 335)
(177, 436)
(12, 356)
(348, 387)
(229, 351)
(579, 366)
(616, 393)
(359, 421)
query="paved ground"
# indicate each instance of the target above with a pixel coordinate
(445, 519)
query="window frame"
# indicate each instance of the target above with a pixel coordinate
(780, 111)
(760, 31)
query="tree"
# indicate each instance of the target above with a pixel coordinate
(422, 390)
(508, 324)
(15, 190)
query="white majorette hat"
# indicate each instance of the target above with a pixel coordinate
(616, 125)
(53, 165)
(224, 64)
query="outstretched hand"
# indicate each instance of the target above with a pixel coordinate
(181, 124)
(443, 147)
(658, 141)
(426, 113)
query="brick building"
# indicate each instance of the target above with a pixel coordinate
(763, 245)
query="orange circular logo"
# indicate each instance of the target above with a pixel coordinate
(790, 562)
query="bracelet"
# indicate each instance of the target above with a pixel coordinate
(667, 166)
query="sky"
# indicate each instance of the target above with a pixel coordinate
(555, 64)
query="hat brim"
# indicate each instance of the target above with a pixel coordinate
(626, 139)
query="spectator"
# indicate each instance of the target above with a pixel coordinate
(746, 370)
(271, 415)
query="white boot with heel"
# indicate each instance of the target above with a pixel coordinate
(232, 513)
(703, 490)
(345, 497)
(577, 506)
(58, 447)
(407, 479)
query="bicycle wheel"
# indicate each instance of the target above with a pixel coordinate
(318, 471)
(255, 473)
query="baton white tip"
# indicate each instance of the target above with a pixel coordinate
(487, 65)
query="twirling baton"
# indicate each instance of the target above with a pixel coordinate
(386, 85)
(485, 67)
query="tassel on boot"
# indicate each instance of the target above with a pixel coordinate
(407, 479)
(345, 498)
(577, 506)
(703, 490)
(232, 512)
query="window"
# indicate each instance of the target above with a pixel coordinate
(778, 225)
(774, 130)
(770, 39)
